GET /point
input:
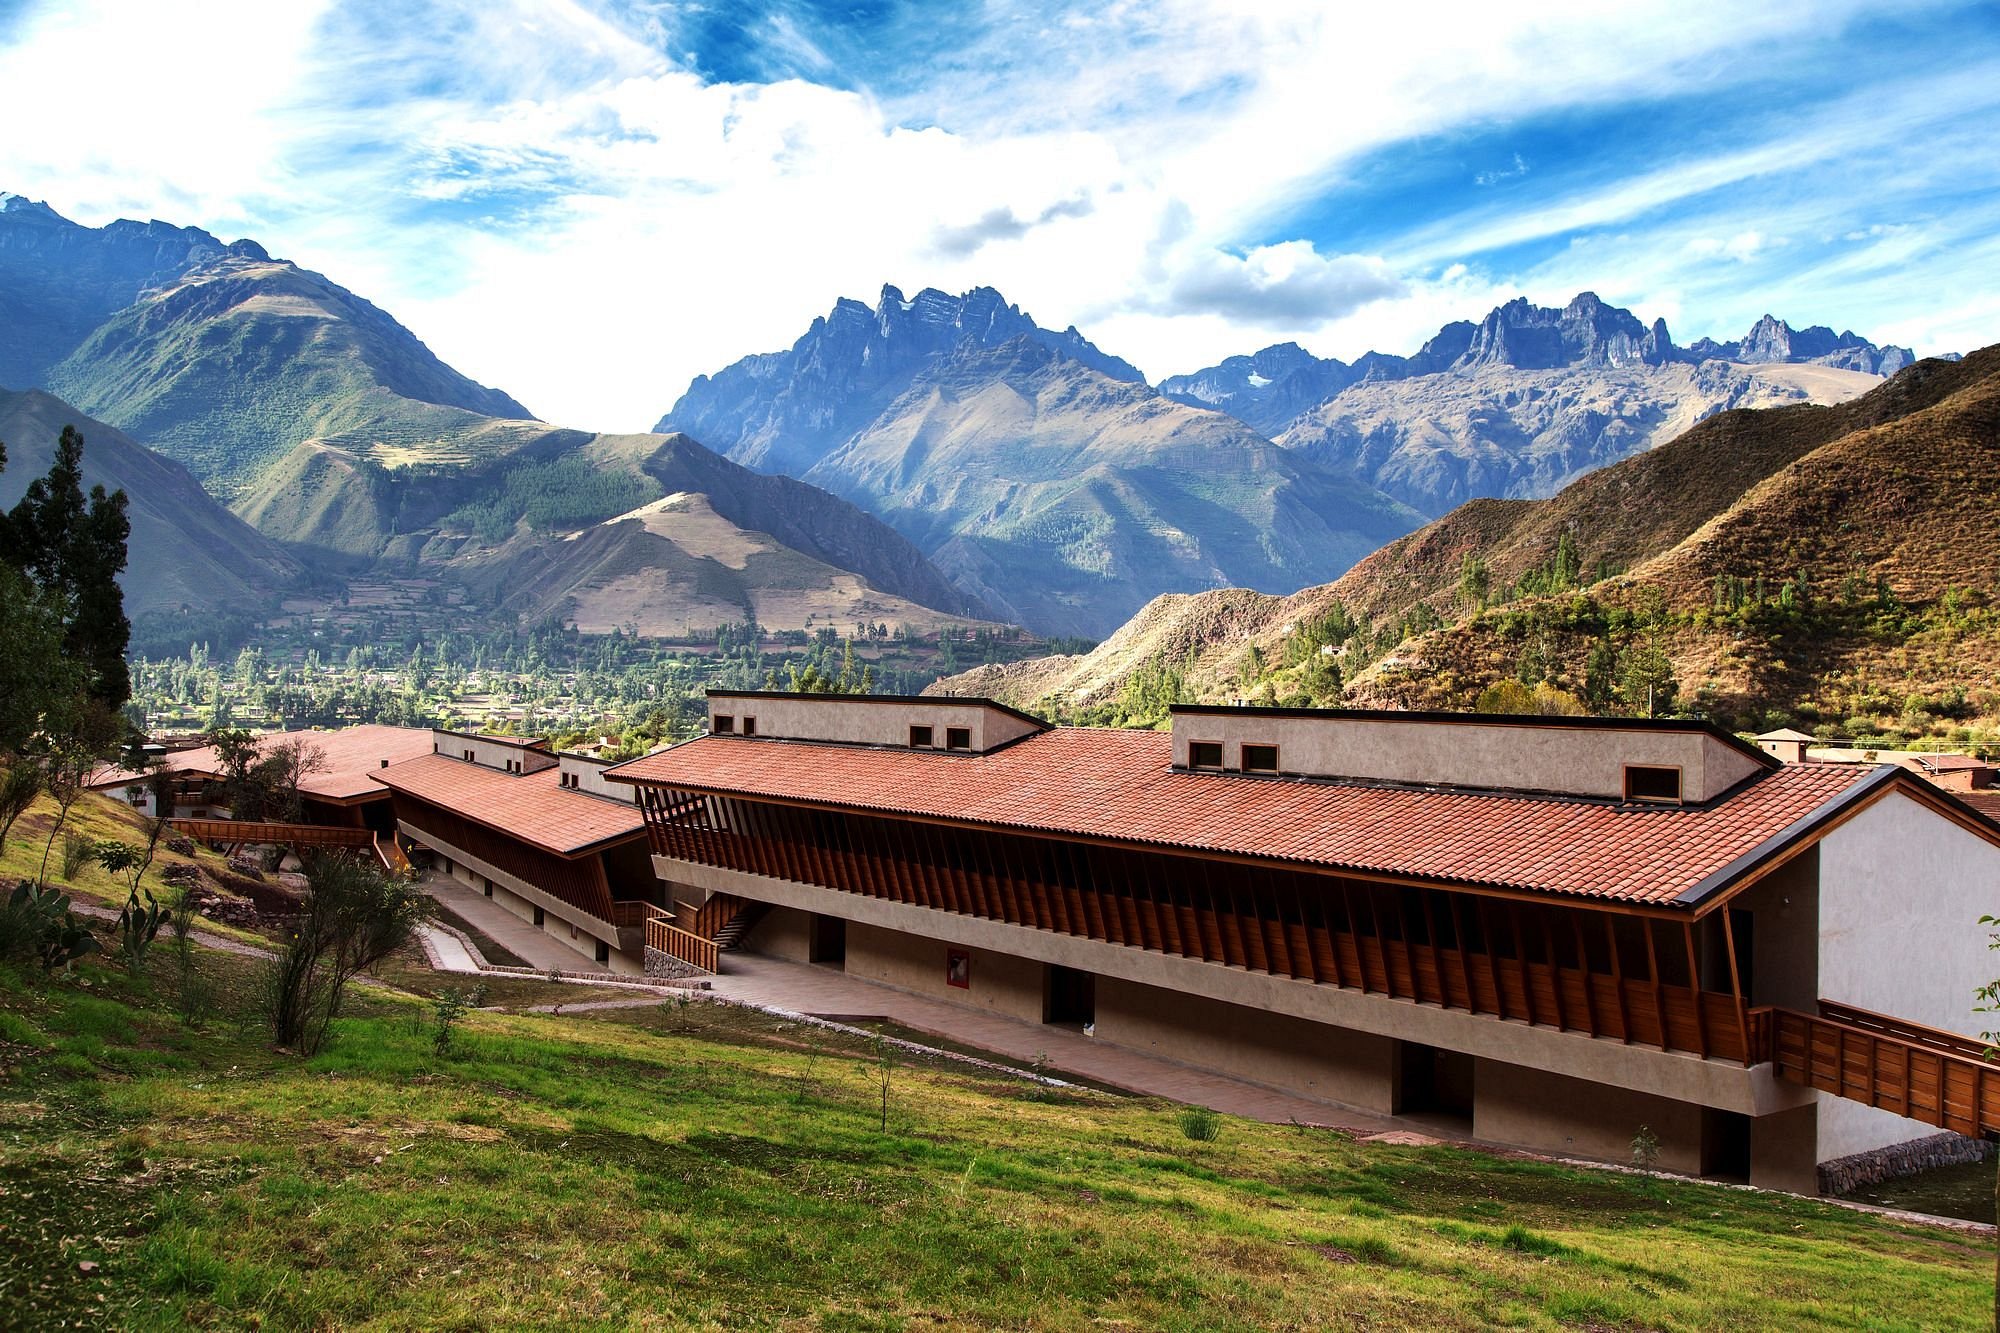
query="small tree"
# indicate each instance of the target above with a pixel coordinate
(353, 917)
(20, 784)
(70, 756)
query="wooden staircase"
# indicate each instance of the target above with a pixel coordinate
(726, 919)
(713, 928)
(1925, 1074)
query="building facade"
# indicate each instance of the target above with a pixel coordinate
(1544, 932)
(542, 834)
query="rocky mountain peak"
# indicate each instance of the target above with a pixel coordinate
(1530, 337)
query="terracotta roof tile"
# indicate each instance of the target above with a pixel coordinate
(534, 807)
(352, 755)
(1121, 785)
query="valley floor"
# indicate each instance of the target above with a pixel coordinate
(691, 1165)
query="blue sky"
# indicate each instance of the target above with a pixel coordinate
(589, 203)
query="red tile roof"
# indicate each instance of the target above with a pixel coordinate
(352, 754)
(534, 807)
(1121, 785)
(1985, 802)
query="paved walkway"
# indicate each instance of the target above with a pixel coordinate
(771, 983)
(520, 938)
(446, 951)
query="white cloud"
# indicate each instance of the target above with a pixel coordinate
(549, 197)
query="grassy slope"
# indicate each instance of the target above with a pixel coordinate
(705, 1167)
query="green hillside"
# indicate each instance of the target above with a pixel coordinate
(243, 358)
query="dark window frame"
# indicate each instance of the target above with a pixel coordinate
(723, 724)
(928, 734)
(748, 726)
(1658, 796)
(958, 738)
(1243, 756)
(1196, 757)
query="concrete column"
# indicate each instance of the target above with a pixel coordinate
(1783, 1150)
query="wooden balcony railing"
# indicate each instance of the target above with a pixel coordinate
(690, 948)
(1552, 965)
(242, 831)
(635, 912)
(1913, 1071)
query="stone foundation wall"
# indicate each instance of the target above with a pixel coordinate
(662, 966)
(1843, 1174)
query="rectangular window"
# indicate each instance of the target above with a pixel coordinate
(749, 726)
(1204, 754)
(1260, 759)
(603, 952)
(723, 724)
(1645, 782)
(958, 738)
(920, 738)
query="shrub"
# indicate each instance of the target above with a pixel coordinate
(448, 1007)
(1200, 1124)
(137, 927)
(352, 918)
(77, 852)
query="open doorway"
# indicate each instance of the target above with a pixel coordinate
(826, 942)
(1433, 1082)
(1071, 1000)
(1725, 1144)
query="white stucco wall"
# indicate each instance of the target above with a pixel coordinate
(589, 777)
(491, 752)
(866, 721)
(1901, 891)
(1527, 756)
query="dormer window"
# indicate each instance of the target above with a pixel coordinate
(723, 725)
(1646, 782)
(958, 738)
(749, 726)
(920, 738)
(1204, 754)
(1260, 758)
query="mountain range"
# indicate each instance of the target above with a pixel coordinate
(934, 456)
(1525, 400)
(1042, 475)
(343, 445)
(1823, 565)
(186, 551)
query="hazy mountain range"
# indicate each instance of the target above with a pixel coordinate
(1526, 400)
(934, 456)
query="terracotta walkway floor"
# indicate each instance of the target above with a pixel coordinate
(520, 938)
(771, 983)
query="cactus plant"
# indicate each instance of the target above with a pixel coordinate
(39, 921)
(138, 925)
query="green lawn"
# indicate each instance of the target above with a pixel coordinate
(692, 1165)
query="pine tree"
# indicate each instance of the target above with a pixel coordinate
(73, 550)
